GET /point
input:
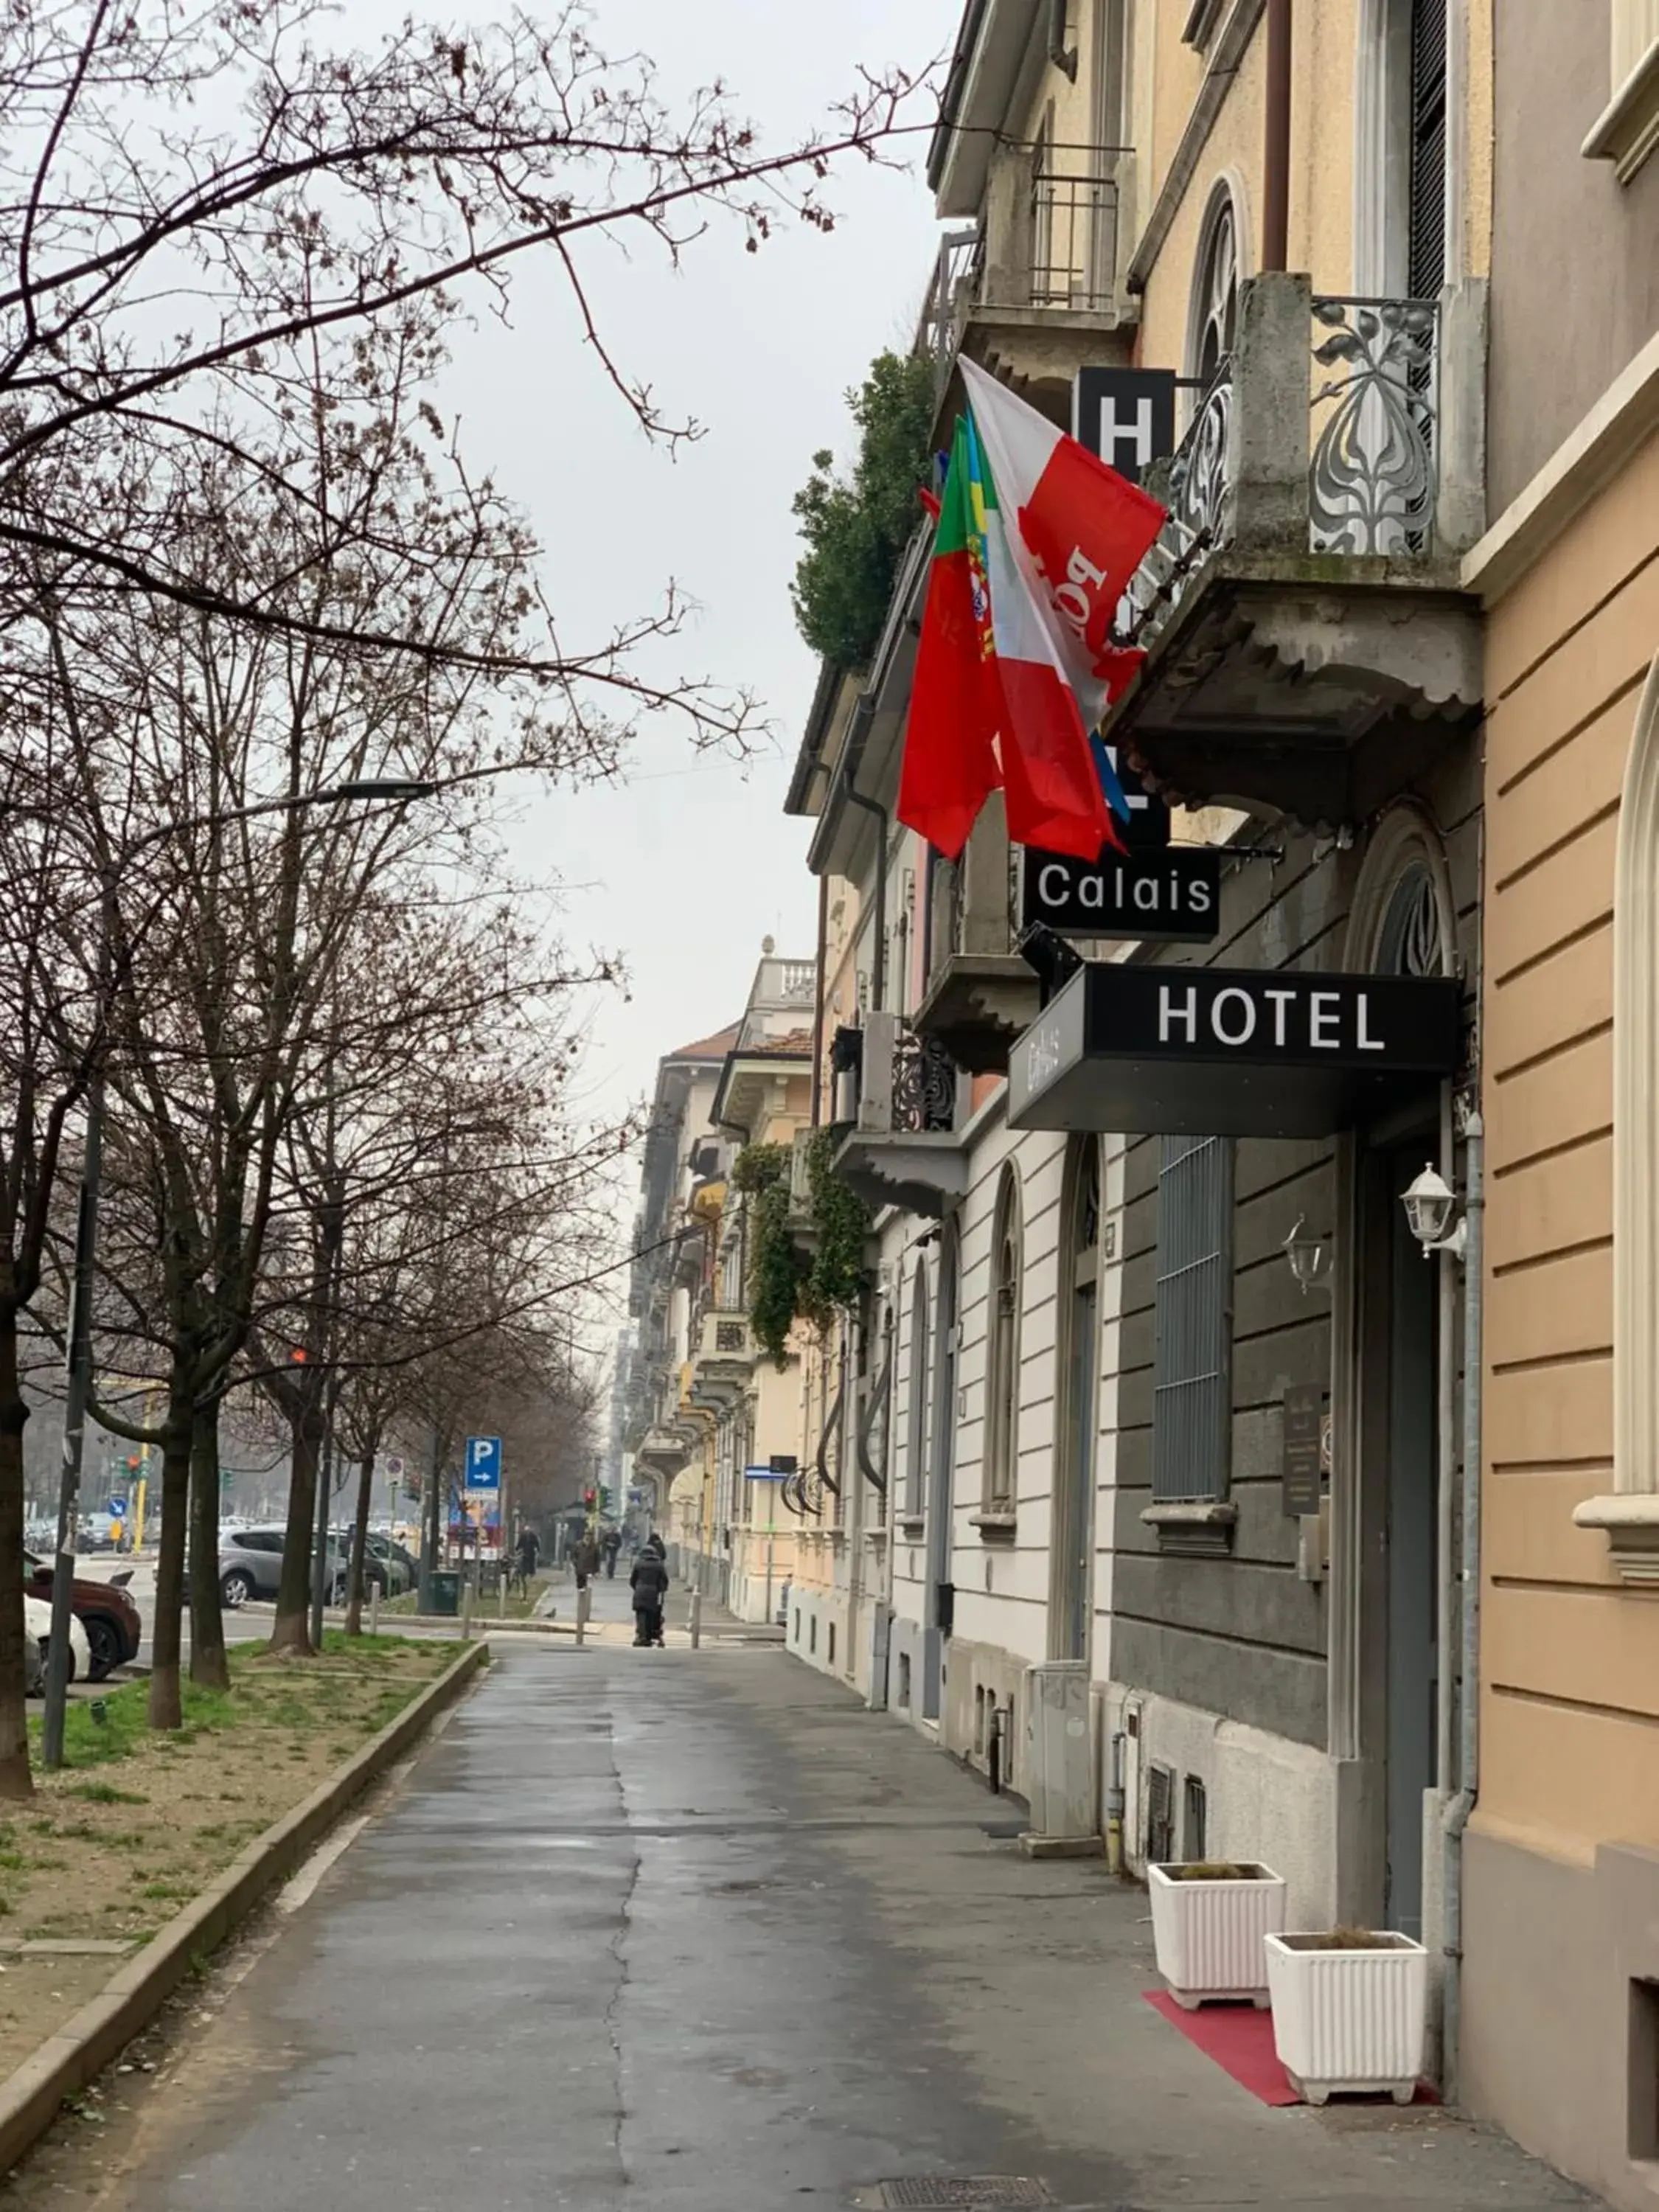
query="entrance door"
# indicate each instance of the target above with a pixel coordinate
(1409, 1502)
(939, 1595)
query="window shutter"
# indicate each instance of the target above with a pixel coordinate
(1192, 1413)
(1426, 251)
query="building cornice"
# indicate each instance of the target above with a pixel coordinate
(1576, 474)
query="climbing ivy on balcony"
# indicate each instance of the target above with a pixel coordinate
(800, 1267)
(857, 526)
(839, 1275)
(761, 1173)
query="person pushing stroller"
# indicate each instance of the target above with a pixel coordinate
(649, 1582)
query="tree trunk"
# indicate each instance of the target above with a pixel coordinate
(359, 1536)
(290, 1638)
(208, 1663)
(15, 1780)
(166, 1703)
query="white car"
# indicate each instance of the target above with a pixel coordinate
(37, 1627)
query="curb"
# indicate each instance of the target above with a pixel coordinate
(31, 2099)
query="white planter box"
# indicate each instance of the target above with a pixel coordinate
(1209, 1934)
(1349, 2020)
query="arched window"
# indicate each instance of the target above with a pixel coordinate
(1630, 1515)
(1000, 1486)
(1213, 320)
(916, 1435)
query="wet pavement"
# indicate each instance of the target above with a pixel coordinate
(695, 1932)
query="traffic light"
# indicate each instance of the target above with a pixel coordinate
(589, 1497)
(135, 1461)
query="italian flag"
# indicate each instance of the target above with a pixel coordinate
(1015, 665)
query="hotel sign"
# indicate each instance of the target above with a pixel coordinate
(1174, 894)
(1163, 1050)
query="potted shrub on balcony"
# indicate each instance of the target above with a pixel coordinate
(1209, 1917)
(1349, 2007)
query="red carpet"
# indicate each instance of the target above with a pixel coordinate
(1240, 2039)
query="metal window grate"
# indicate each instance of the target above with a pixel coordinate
(1191, 1414)
(1160, 1815)
(972, 2190)
(1195, 1820)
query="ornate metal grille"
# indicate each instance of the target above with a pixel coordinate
(730, 1336)
(924, 1086)
(1412, 940)
(1372, 485)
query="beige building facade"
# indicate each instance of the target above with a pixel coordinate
(1561, 1935)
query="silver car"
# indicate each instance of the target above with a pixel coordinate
(251, 1566)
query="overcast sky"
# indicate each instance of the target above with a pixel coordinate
(690, 864)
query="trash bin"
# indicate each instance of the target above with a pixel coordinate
(445, 1589)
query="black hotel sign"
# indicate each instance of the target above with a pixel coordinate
(1161, 1050)
(1175, 893)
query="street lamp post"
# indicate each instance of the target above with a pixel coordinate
(78, 1359)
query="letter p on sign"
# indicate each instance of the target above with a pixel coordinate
(483, 1463)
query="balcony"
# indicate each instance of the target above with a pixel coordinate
(664, 1449)
(1308, 649)
(901, 1088)
(722, 1359)
(980, 995)
(1031, 290)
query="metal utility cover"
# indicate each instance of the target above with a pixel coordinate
(972, 2191)
(1230, 1052)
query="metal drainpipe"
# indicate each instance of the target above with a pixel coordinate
(1445, 1761)
(1276, 166)
(1468, 1749)
(1062, 56)
(818, 1009)
(855, 760)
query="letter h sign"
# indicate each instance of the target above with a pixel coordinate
(1125, 415)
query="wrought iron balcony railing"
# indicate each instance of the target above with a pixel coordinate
(1048, 240)
(1356, 473)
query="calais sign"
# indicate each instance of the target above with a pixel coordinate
(1173, 895)
(1230, 1052)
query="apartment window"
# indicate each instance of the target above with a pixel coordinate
(915, 1437)
(1628, 130)
(1214, 325)
(1191, 1410)
(1000, 1486)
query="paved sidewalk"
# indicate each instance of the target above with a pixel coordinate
(696, 1933)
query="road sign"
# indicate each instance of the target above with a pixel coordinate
(771, 1473)
(394, 1468)
(117, 1507)
(483, 1463)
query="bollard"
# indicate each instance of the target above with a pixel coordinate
(696, 1620)
(466, 1611)
(501, 1595)
(374, 1607)
(584, 1607)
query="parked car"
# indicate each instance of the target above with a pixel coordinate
(399, 1571)
(37, 1634)
(105, 1610)
(251, 1566)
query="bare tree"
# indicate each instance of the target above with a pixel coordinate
(166, 277)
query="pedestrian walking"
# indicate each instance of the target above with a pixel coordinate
(529, 1553)
(586, 1559)
(649, 1582)
(612, 1546)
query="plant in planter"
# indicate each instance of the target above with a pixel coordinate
(1209, 1917)
(1349, 2007)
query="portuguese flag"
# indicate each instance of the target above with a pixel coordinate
(950, 765)
(1015, 665)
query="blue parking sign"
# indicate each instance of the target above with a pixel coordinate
(483, 1463)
